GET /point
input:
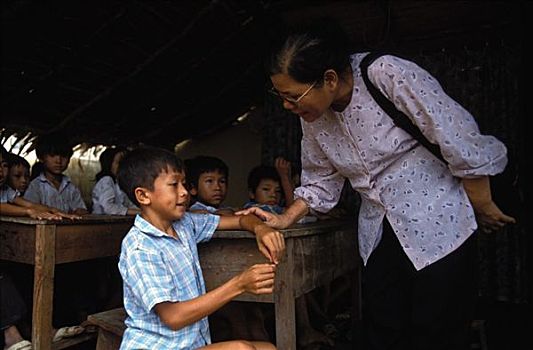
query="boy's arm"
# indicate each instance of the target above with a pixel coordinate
(41, 208)
(283, 168)
(258, 279)
(270, 241)
(18, 210)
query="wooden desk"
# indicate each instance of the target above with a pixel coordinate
(316, 253)
(47, 243)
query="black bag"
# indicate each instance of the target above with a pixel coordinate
(504, 186)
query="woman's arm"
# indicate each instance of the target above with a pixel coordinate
(489, 216)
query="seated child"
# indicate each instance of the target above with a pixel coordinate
(19, 173)
(264, 189)
(12, 306)
(265, 185)
(208, 184)
(164, 291)
(107, 196)
(51, 187)
(11, 203)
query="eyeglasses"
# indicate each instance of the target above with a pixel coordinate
(290, 99)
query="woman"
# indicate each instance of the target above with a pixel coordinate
(417, 214)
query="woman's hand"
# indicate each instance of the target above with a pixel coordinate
(490, 218)
(271, 219)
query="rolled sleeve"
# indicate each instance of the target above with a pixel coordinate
(321, 182)
(441, 119)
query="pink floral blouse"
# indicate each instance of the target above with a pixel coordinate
(422, 198)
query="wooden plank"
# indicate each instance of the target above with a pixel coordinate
(89, 241)
(17, 242)
(43, 287)
(284, 301)
(111, 320)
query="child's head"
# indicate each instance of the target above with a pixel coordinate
(153, 177)
(264, 185)
(54, 151)
(208, 179)
(4, 168)
(109, 161)
(19, 173)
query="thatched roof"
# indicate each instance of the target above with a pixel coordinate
(159, 72)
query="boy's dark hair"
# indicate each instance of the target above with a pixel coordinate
(5, 154)
(202, 164)
(140, 168)
(106, 160)
(53, 144)
(309, 49)
(259, 173)
(14, 159)
(36, 170)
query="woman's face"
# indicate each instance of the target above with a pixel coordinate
(310, 105)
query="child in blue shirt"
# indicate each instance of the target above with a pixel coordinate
(52, 187)
(207, 177)
(164, 290)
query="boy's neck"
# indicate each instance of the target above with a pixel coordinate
(55, 179)
(159, 223)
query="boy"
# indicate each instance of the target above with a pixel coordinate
(164, 290)
(12, 204)
(19, 173)
(11, 304)
(208, 184)
(51, 187)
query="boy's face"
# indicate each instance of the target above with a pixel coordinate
(267, 192)
(55, 164)
(19, 177)
(3, 170)
(212, 188)
(169, 198)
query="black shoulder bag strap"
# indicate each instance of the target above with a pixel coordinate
(399, 118)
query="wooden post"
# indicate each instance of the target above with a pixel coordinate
(284, 301)
(43, 286)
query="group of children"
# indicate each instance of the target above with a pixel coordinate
(179, 204)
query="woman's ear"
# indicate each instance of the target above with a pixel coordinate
(331, 78)
(142, 195)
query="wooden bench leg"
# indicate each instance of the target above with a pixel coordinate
(107, 340)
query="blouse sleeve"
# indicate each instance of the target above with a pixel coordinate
(105, 197)
(321, 183)
(441, 119)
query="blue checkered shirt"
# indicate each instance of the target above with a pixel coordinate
(156, 268)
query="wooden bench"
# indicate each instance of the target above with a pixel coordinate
(111, 328)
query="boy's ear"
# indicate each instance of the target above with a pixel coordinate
(142, 195)
(251, 194)
(193, 191)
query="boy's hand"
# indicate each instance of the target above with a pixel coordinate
(43, 215)
(270, 242)
(258, 279)
(283, 167)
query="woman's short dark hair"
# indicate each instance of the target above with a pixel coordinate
(308, 50)
(140, 168)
